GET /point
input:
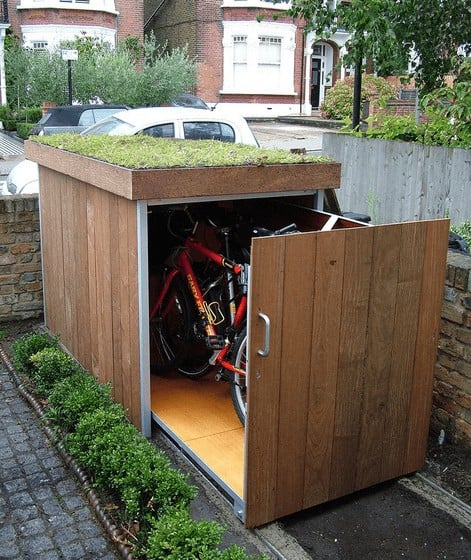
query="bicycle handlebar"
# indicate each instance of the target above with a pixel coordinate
(265, 232)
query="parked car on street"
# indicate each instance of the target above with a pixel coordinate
(177, 122)
(190, 100)
(162, 122)
(73, 118)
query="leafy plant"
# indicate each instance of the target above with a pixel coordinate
(28, 345)
(339, 99)
(464, 231)
(73, 396)
(175, 536)
(51, 365)
(23, 129)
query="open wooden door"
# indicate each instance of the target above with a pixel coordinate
(342, 401)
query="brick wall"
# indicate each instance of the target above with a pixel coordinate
(130, 19)
(452, 391)
(20, 258)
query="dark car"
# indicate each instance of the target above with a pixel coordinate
(189, 100)
(73, 118)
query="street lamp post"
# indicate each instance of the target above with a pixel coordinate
(69, 55)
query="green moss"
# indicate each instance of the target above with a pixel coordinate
(146, 152)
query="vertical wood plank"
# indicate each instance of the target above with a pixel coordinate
(133, 371)
(295, 372)
(352, 350)
(266, 291)
(71, 277)
(326, 314)
(119, 299)
(92, 217)
(51, 248)
(412, 238)
(104, 326)
(378, 357)
(79, 195)
(431, 299)
(125, 323)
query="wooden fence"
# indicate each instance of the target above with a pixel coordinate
(401, 181)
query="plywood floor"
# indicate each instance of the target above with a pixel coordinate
(201, 414)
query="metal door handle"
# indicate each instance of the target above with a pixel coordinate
(266, 349)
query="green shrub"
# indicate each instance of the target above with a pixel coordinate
(10, 124)
(33, 114)
(4, 112)
(338, 103)
(175, 536)
(464, 231)
(51, 365)
(120, 459)
(28, 345)
(74, 396)
(23, 129)
(394, 127)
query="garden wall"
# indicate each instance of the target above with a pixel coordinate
(21, 298)
(452, 391)
(401, 181)
(20, 258)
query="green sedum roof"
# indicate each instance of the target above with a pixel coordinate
(146, 152)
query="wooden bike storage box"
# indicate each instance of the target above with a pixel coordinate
(341, 402)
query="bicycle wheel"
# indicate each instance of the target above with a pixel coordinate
(195, 363)
(170, 329)
(239, 382)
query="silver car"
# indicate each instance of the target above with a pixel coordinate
(162, 122)
(177, 122)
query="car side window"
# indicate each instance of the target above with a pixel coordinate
(86, 118)
(209, 131)
(161, 131)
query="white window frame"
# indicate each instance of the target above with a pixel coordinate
(255, 4)
(54, 35)
(90, 5)
(254, 83)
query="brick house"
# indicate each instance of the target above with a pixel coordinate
(44, 24)
(266, 67)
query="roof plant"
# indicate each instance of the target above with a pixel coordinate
(146, 152)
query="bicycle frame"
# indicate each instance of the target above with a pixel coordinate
(183, 267)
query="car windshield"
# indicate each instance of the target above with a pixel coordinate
(112, 126)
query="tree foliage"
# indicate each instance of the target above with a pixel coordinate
(133, 74)
(387, 31)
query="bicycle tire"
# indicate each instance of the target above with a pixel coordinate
(238, 358)
(195, 363)
(170, 329)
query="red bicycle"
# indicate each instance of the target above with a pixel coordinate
(199, 318)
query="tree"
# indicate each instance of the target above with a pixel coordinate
(435, 30)
(132, 74)
(387, 31)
